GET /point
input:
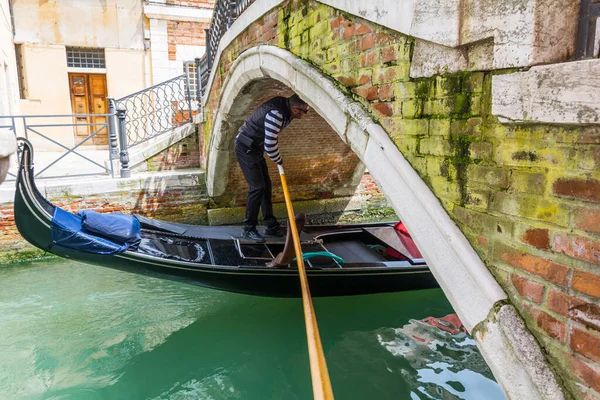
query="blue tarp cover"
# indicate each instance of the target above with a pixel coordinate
(67, 232)
(118, 227)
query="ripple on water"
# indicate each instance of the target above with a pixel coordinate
(72, 331)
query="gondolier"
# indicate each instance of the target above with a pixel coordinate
(259, 134)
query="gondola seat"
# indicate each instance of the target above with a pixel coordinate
(354, 252)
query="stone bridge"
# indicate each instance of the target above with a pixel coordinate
(481, 129)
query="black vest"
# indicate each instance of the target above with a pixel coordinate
(254, 125)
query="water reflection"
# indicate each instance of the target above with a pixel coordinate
(71, 331)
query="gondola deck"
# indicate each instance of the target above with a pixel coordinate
(367, 258)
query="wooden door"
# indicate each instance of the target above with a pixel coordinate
(88, 96)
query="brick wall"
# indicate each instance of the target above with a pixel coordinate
(188, 33)
(526, 196)
(312, 172)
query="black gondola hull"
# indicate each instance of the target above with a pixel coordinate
(33, 216)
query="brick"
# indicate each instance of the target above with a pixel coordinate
(362, 29)
(383, 39)
(404, 90)
(587, 219)
(481, 150)
(364, 79)
(348, 33)
(367, 59)
(531, 207)
(367, 42)
(411, 109)
(578, 247)
(383, 109)
(528, 182)
(493, 176)
(349, 81)
(528, 289)
(586, 344)
(586, 282)
(587, 372)
(586, 190)
(435, 146)
(367, 92)
(555, 328)
(538, 238)
(386, 92)
(388, 54)
(562, 303)
(588, 315)
(549, 270)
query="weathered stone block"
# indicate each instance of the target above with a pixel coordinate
(406, 144)
(495, 177)
(413, 127)
(531, 207)
(481, 150)
(527, 181)
(439, 127)
(404, 90)
(436, 146)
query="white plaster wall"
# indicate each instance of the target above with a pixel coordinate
(47, 84)
(174, 13)
(9, 90)
(89, 23)
(125, 72)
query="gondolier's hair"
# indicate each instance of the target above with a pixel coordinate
(296, 101)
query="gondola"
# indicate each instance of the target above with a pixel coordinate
(340, 260)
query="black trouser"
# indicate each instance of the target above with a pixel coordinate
(254, 168)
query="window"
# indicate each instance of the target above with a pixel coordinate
(80, 57)
(20, 71)
(190, 69)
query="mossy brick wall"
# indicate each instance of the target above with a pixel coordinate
(178, 204)
(526, 197)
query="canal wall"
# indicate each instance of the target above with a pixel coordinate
(524, 189)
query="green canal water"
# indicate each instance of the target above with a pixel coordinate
(72, 331)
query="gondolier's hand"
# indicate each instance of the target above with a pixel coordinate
(280, 168)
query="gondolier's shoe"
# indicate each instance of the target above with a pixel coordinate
(275, 231)
(253, 235)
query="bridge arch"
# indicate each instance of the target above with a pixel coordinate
(509, 348)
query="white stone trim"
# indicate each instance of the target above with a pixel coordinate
(567, 93)
(469, 286)
(175, 13)
(75, 70)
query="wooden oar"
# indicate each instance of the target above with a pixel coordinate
(318, 366)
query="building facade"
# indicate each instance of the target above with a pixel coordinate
(71, 56)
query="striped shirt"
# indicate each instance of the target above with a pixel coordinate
(273, 125)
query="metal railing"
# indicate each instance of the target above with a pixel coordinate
(588, 45)
(224, 14)
(36, 129)
(156, 110)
